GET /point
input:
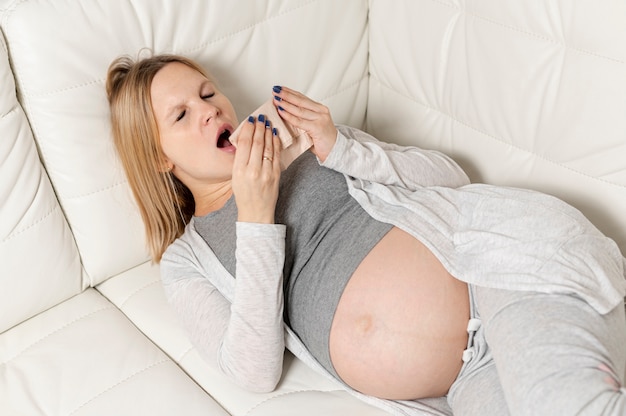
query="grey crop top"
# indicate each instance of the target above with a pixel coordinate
(328, 235)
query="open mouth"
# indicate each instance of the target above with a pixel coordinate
(223, 140)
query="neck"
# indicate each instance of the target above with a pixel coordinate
(209, 200)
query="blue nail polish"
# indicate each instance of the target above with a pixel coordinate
(277, 89)
(261, 118)
(280, 108)
(274, 131)
(267, 124)
(251, 119)
(277, 98)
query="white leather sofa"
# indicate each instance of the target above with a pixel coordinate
(520, 93)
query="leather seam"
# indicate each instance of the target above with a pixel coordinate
(494, 138)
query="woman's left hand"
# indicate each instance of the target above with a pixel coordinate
(312, 117)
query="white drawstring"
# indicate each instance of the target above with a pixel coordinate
(472, 326)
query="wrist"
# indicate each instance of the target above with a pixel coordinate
(256, 230)
(256, 218)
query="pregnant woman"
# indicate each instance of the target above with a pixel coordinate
(386, 267)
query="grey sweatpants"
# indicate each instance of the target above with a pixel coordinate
(540, 354)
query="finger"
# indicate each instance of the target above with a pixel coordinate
(268, 152)
(258, 142)
(305, 119)
(244, 143)
(277, 149)
(295, 110)
(296, 98)
(298, 109)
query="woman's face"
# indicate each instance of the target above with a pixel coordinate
(194, 121)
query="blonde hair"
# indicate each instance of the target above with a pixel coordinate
(165, 203)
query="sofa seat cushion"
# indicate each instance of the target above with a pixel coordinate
(84, 357)
(139, 294)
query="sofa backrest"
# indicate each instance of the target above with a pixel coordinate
(528, 94)
(39, 263)
(60, 52)
(521, 94)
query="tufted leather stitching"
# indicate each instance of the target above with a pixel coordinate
(97, 191)
(184, 354)
(127, 378)
(184, 51)
(277, 396)
(529, 33)
(246, 28)
(136, 291)
(66, 325)
(13, 109)
(33, 224)
(490, 136)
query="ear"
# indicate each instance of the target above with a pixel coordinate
(166, 166)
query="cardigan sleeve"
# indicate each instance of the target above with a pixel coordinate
(243, 339)
(360, 155)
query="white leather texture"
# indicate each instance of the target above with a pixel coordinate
(97, 361)
(84, 357)
(247, 46)
(139, 295)
(521, 93)
(529, 94)
(39, 263)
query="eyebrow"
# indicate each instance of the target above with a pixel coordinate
(173, 110)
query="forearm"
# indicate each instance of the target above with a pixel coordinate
(245, 338)
(360, 155)
(254, 341)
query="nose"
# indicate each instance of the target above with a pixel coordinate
(208, 111)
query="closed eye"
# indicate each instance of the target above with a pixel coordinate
(204, 97)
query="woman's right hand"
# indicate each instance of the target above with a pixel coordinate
(256, 172)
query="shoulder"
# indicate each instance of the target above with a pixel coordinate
(183, 243)
(185, 251)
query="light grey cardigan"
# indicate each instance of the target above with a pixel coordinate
(490, 236)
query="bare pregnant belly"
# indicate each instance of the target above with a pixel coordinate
(399, 330)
